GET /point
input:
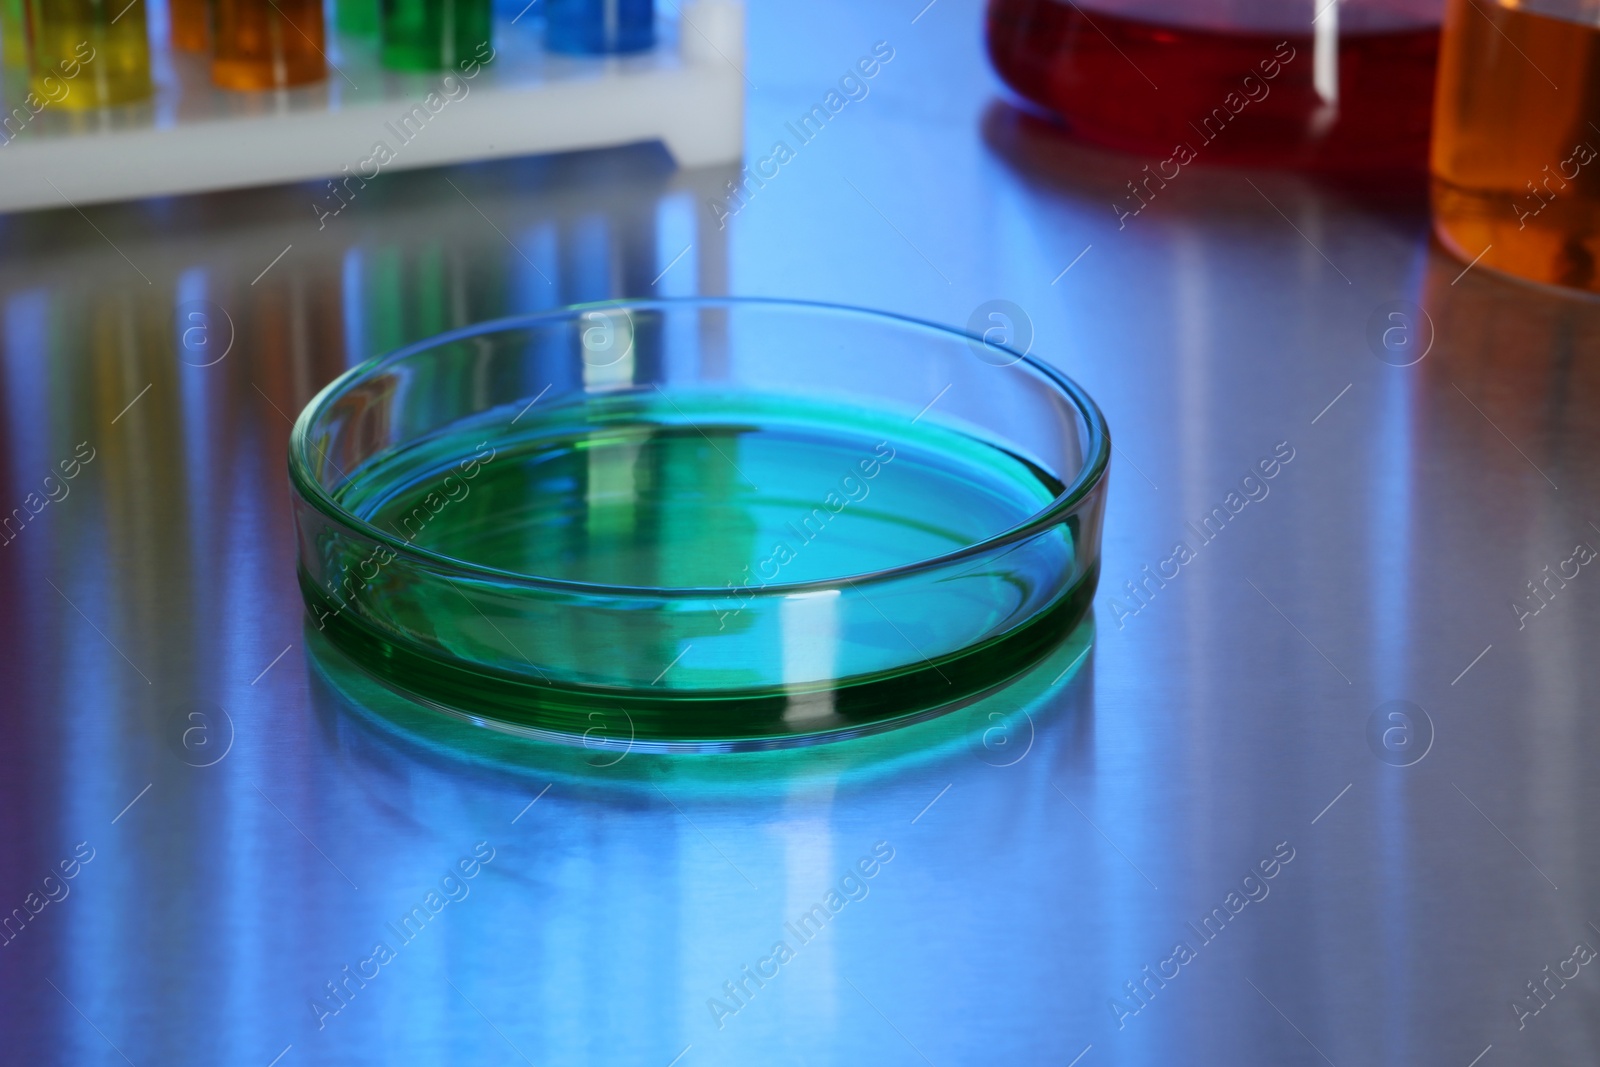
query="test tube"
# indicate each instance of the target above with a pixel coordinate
(13, 34)
(267, 44)
(88, 53)
(191, 24)
(598, 27)
(435, 34)
(359, 18)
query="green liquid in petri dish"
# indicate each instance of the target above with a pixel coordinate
(644, 492)
(698, 491)
(738, 539)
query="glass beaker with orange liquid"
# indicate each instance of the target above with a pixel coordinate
(1516, 155)
(1328, 85)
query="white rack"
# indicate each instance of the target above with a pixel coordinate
(687, 93)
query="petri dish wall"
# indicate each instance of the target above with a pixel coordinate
(1334, 85)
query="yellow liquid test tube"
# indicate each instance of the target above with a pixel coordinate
(87, 54)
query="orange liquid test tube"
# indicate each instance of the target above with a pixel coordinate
(191, 29)
(267, 44)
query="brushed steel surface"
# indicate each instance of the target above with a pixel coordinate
(259, 820)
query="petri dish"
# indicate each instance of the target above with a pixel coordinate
(734, 523)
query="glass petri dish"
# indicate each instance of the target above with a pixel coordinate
(732, 523)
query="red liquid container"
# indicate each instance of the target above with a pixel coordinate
(1326, 85)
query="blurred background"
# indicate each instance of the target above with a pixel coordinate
(1374, 683)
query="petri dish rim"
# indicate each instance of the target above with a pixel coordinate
(1089, 475)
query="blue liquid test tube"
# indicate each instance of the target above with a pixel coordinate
(599, 27)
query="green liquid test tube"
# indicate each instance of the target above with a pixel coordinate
(358, 18)
(13, 34)
(435, 34)
(88, 54)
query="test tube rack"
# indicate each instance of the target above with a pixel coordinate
(687, 93)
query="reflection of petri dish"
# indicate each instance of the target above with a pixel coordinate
(736, 523)
(383, 733)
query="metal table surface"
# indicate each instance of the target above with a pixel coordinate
(1078, 868)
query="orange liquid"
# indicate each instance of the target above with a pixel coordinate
(268, 44)
(1516, 151)
(191, 30)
